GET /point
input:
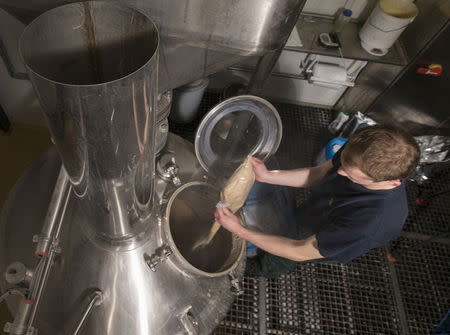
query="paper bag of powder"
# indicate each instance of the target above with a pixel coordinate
(238, 186)
(234, 194)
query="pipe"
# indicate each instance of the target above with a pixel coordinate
(60, 197)
(36, 294)
(18, 274)
(13, 73)
(46, 249)
(267, 62)
(96, 300)
(97, 84)
(19, 325)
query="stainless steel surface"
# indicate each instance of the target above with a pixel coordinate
(136, 299)
(433, 15)
(200, 37)
(267, 62)
(235, 89)
(419, 103)
(100, 105)
(162, 125)
(162, 131)
(263, 70)
(371, 82)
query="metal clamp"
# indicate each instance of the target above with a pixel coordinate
(307, 64)
(189, 322)
(18, 274)
(173, 171)
(159, 256)
(236, 287)
(10, 328)
(168, 169)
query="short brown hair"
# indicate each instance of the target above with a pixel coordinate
(382, 152)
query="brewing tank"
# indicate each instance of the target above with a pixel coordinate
(199, 37)
(116, 206)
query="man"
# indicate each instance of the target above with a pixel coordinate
(357, 203)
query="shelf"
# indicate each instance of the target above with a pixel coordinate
(308, 28)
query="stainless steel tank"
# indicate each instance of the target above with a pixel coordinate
(199, 37)
(115, 223)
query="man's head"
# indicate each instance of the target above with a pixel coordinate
(379, 156)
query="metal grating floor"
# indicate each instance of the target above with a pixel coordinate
(367, 296)
(433, 219)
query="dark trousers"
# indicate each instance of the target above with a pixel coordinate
(265, 264)
(271, 266)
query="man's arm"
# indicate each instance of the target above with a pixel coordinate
(296, 250)
(304, 177)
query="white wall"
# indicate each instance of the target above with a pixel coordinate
(279, 87)
(16, 96)
(330, 7)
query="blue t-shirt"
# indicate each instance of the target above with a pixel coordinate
(349, 219)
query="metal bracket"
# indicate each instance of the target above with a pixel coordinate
(168, 169)
(189, 322)
(236, 287)
(307, 64)
(55, 245)
(9, 328)
(159, 256)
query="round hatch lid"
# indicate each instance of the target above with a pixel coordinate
(235, 128)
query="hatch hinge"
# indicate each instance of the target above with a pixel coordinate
(159, 256)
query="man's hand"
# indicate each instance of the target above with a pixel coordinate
(260, 169)
(228, 220)
(296, 250)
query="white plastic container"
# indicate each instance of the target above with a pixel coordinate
(385, 24)
(186, 100)
(337, 124)
(343, 18)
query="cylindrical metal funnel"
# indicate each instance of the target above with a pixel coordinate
(93, 66)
